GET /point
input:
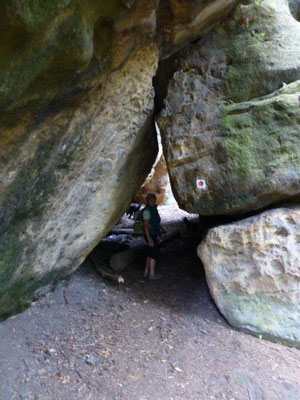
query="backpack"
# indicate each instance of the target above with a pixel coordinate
(138, 222)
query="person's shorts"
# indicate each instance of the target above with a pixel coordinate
(152, 252)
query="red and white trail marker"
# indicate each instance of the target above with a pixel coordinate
(201, 184)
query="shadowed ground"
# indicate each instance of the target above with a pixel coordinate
(140, 341)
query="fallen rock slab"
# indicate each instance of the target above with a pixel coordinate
(253, 272)
(59, 197)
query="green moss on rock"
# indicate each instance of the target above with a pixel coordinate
(18, 296)
(45, 45)
(25, 204)
(262, 138)
(263, 50)
(262, 315)
(245, 52)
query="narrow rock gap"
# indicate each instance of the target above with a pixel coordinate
(124, 336)
(114, 256)
(120, 255)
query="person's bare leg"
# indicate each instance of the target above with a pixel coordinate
(152, 267)
(147, 268)
(152, 275)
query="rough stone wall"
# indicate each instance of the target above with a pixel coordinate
(218, 126)
(156, 182)
(56, 47)
(76, 118)
(253, 272)
(79, 171)
(180, 21)
(230, 129)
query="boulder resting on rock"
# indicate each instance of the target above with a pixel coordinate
(226, 122)
(252, 269)
(76, 125)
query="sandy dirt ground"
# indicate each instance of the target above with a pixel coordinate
(142, 340)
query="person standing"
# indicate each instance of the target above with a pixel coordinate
(151, 226)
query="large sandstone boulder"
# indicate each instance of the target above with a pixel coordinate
(217, 126)
(72, 179)
(55, 47)
(77, 139)
(253, 272)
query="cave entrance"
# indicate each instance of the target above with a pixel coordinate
(120, 256)
(120, 259)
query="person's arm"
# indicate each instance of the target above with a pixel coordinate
(147, 234)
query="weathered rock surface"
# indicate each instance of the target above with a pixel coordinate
(188, 18)
(217, 126)
(253, 272)
(76, 141)
(57, 47)
(73, 177)
(157, 181)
